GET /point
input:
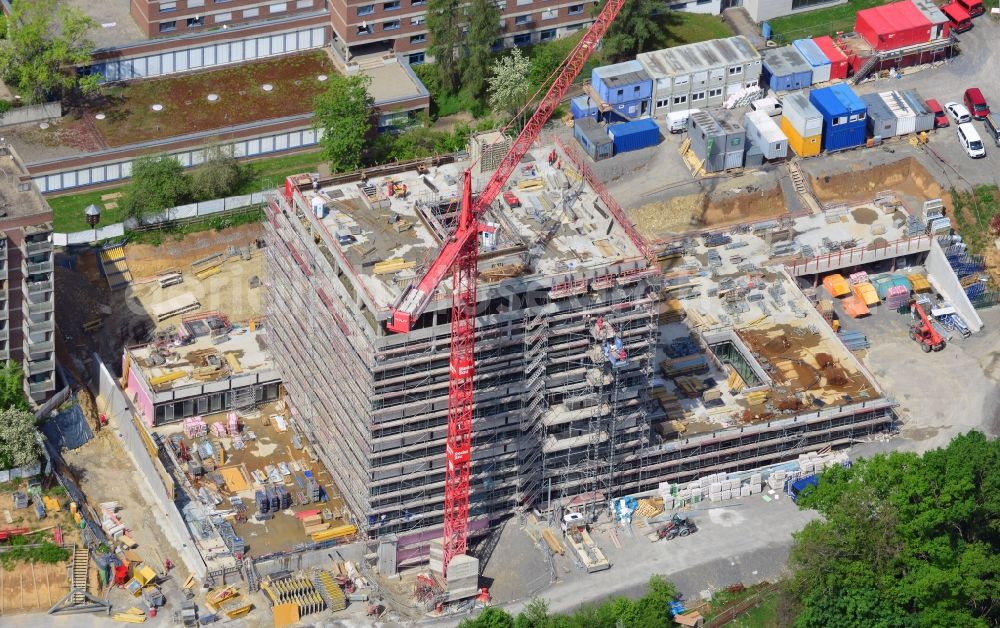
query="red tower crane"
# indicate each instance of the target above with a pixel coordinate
(459, 256)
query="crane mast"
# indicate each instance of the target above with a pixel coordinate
(460, 256)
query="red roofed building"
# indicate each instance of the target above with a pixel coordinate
(893, 26)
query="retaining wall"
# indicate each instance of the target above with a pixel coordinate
(121, 413)
(942, 276)
(31, 113)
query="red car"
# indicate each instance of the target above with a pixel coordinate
(940, 119)
(976, 103)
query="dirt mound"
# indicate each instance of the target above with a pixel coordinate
(701, 211)
(906, 177)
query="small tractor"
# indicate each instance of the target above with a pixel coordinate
(923, 332)
(677, 526)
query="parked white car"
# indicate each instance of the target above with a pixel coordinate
(958, 112)
(971, 141)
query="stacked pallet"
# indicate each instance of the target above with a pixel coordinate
(691, 386)
(735, 382)
(670, 311)
(297, 592)
(330, 591)
(392, 266)
(530, 185)
(649, 507)
(313, 524)
(684, 366)
(338, 532)
(666, 400)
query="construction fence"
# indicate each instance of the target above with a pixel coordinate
(119, 409)
(182, 213)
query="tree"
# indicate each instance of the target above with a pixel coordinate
(18, 438)
(220, 175)
(545, 58)
(491, 617)
(650, 611)
(344, 113)
(444, 28)
(46, 40)
(633, 31)
(484, 29)
(158, 183)
(509, 86)
(904, 540)
(11, 387)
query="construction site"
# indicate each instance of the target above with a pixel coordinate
(601, 372)
(422, 387)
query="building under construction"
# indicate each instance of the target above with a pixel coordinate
(567, 347)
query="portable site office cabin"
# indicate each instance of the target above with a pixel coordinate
(593, 138)
(844, 124)
(838, 60)
(897, 113)
(881, 121)
(719, 144)
(763, 132)
(940, 24)
(583, 107)
(785, 69)
(626, 87)
(815, 58)
(892, 26)
(802, 123)
(700, 75)
(911, 111)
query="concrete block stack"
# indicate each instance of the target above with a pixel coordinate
(776, 481)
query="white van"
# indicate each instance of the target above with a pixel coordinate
(970, 140)
(770, 105)
(677, 121)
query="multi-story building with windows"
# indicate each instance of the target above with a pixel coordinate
(354, 27)
(27, 301)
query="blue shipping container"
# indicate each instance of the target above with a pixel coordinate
(844, 116)
(582, 107)
(634, 135)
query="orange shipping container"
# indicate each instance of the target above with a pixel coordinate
(803, 146)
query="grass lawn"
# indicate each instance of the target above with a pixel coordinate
(819, 22)
(763, 616)
(973, 212)
(68, 209)
(688, 28)
(129, 116)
